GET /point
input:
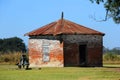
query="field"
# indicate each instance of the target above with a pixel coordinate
(9, 71)
(108, 72)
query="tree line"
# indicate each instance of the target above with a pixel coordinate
(13, 44)
(115, 50)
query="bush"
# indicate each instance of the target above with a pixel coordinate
(111, 58)
(10, 58)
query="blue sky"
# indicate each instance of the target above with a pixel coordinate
(18, 17)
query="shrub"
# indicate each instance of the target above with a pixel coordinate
(111, 58)
(10, 58)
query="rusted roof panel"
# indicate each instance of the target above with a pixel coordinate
(63, 26)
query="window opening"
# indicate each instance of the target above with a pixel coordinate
(46, 56)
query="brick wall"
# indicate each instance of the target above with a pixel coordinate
(36, 53)
(94, 49)
(64, 50)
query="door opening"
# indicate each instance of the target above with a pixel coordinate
(82, 55)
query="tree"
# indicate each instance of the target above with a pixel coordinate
(115, 50)
(12, 44)
(112, 9)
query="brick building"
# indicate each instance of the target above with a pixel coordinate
(65, 43)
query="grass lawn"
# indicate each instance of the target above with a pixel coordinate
(108, 72)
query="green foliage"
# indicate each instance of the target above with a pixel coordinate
(12, 44)
(97, 1)
(10, 58)
(112, 8)
(111, 57)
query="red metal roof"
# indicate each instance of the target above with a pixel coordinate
(63, 26)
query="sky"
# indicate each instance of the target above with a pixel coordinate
(18, 17)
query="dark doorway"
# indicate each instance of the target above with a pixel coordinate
(82, 55)
(70, 54)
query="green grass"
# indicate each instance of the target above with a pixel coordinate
(108, 72)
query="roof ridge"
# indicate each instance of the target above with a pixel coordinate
(63, 26)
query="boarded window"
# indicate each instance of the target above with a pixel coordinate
(46, 56)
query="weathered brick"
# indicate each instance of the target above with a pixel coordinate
(64, 50)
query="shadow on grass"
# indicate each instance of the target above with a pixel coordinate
(23, 68)
(110, 67)
(28, 69)
(32, 68)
